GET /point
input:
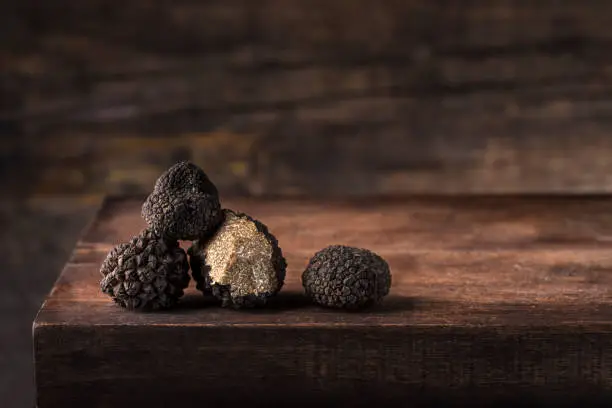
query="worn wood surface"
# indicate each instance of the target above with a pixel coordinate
(324, 98)
(492, 298)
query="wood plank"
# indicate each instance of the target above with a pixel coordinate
(496, 298)
(295, 156)
(327, 98)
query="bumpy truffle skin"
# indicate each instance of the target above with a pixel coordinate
(184, 204)
(242, 264)
(346, 277)
(146, 273)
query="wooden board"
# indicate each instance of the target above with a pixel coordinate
(310, 97)
(492, 298)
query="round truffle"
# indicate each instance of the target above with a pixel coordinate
(241, 264)
(184, 204)
(346, 277)
(146, 273)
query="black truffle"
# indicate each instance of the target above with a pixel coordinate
(147, 273)
(184, 204)
(346, 277)
(242, 264)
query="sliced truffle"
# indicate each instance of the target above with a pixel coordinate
(346, 277)
(147, 273)
(184, 204)
(242, 264)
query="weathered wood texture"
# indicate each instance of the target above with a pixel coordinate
(331, 97)
(502, 297)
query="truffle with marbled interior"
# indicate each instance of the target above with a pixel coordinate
(241, 264)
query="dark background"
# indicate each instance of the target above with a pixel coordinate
(283, 97)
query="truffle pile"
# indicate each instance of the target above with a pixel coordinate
(233, 257)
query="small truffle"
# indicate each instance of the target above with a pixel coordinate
(346, 277)
(242, 264)
(146, 273)
(184, 204)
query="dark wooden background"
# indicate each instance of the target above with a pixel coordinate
(284, 97)
(333, 97)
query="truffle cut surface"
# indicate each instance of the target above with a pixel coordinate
(241, 264)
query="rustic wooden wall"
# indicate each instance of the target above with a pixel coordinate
(327, 97)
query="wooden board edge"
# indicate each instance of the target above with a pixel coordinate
(99, 207)
(326, 361)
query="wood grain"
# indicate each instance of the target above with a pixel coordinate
(291, 97)
(507, 300)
